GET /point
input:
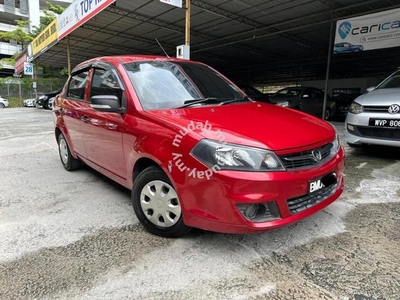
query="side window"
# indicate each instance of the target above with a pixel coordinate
(105, 82)
(77, 86)
(319, 94)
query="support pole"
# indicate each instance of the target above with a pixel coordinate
(327, 70)
(187, 25)
(68, 57)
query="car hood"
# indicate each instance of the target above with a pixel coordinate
(380, 97)
(254, 124)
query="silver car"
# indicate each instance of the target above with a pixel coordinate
(3, 102)
(374, 117)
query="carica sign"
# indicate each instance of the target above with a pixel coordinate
(79, 12)
(177, 3)
(45, 39)
(369, 32)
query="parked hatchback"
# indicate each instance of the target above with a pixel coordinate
(171, 130)
(374, 117)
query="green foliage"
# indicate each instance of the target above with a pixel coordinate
(57, 9)
(49, 16)
(15, 102)
(18, 34)
(7, 61)
(64, 72)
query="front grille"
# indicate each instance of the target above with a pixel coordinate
(299, 204)
(305, 159)
(383, 109)
(384, 133)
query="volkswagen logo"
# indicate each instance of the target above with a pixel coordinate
(394, 109)
(316, 154)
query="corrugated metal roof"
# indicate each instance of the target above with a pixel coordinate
(235, 36)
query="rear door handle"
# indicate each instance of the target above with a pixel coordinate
(85, 119)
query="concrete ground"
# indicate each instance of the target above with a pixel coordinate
(73, 235)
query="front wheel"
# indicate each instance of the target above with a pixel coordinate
(2, 105)
(69, 162)
(157, 205)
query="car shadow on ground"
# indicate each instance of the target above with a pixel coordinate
(374, 151)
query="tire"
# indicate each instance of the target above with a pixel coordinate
(46, 105)
(2, 105)
(69, 162)
(156, 204)
(328, 114)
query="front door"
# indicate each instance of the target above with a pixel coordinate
(104, 131)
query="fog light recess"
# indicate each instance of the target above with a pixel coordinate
(350, 127)
(259, 212)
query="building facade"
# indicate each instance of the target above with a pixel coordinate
(12, 10)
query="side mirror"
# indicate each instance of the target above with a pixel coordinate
(370, 89)
(106, 103)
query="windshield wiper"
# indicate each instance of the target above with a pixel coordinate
(244, 98)
(220, 101)
(191, 102)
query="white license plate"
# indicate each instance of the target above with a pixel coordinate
(315, 186)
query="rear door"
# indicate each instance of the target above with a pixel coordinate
(308, 101)
(319, 98)
(73, 107)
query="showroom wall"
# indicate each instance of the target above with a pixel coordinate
(354, 83)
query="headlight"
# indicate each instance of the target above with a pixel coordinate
(335, 146)
(283, 103)
(355, 108)
(236, 157)
(43, 97)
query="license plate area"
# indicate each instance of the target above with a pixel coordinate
(316, 185)
(384, 123)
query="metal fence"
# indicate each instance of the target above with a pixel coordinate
(24, 88)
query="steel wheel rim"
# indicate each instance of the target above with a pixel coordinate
(63, 151)
(160, 203)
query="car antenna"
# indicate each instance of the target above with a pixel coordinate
(165, 52)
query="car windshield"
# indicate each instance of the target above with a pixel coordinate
(165, 84)
(392, 82)
(287, 93)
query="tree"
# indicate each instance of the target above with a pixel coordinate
(49, 16)
(18, 34)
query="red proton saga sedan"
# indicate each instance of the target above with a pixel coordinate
(193, 148)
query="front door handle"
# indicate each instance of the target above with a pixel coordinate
(85, 119)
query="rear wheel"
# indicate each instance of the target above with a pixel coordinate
(157, 205)
(69, 162)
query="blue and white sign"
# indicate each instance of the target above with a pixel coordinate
(177, 3)
(369, 32)
(28, 68)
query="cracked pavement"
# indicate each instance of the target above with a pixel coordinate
(73, 235)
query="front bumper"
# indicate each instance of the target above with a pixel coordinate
(362, 133)
(212, 204)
